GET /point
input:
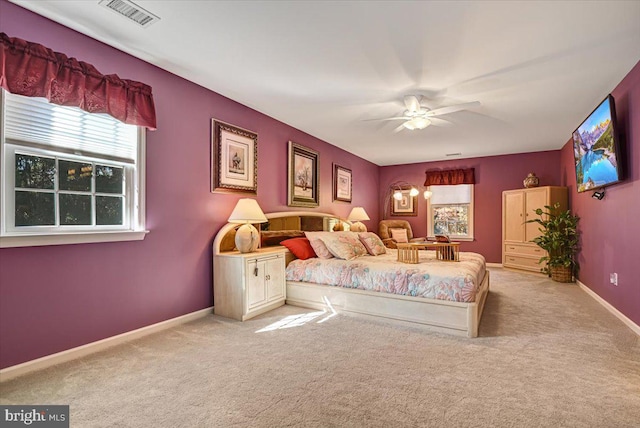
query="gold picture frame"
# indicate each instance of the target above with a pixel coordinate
(405, 206)
(302, 177)
(234, 163)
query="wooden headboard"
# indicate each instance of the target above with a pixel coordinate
(284, 224)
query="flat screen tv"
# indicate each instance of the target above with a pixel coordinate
(596, 148)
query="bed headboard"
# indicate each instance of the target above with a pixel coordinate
(281, 225)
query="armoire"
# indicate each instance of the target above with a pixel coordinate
(519, 206)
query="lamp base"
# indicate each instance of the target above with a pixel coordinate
(247, 238)
(358, 227)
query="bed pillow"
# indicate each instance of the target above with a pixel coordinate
(372, 243)
(399, 235)
(300, 247)
(318, 246)
(344, 245)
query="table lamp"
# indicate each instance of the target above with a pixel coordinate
(247, 211)
(357, 214)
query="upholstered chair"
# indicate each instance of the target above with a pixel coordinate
(384, 231)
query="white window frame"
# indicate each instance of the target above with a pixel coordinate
(11, 236)
(471, 209)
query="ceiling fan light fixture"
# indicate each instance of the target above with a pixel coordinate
(417, 123)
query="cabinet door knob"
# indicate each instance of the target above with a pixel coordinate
(268, 277)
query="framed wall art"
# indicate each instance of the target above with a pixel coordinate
(302, 177)
(405, 206)
(342, 186)
(234, 163)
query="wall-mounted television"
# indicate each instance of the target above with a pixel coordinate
(597, 149)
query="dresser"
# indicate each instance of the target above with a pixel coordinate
(248, 284)
(518, 206)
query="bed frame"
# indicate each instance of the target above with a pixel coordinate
(457, 318)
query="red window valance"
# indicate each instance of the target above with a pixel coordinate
(33, 70)
(450, 176)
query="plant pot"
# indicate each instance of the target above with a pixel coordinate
(561, 274)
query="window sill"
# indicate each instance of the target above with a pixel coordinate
(35, 240)
(453, 239)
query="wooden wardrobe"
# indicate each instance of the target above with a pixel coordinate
(518, 206)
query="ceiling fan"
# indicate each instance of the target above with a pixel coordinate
(417, 116)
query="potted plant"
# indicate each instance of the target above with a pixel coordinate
(559, 238)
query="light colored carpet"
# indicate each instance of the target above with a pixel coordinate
(548, 356)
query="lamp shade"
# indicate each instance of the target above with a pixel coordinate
(358, 214)
(247, 210)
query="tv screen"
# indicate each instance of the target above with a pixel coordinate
(596, 148)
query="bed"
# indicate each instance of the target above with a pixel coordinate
(441, 295)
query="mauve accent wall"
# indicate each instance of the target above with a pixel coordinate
(493, 175)
(59, 297)
(610, 227)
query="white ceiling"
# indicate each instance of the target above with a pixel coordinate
(325, 67)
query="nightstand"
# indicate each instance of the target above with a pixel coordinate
(248, 284)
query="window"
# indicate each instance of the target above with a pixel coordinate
(68, 176)
(450, 211)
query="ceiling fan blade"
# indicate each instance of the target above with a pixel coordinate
(389, 118)
(399, 128)
(412, 103)
(452, 109)
(440, 122)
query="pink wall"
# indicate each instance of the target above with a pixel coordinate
(493, 175)
(610, 227)
(58, 297)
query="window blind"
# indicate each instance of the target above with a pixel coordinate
(457, 194)
(36, 122)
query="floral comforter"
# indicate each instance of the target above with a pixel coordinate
(431, 278)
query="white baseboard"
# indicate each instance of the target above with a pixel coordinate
(90, 348)
(622, 317)
(494, 265)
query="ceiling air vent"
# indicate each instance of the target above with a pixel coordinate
(453, 154)
(131, 10)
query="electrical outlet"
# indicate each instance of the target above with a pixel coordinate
(613, 278)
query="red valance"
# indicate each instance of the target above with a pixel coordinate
(450, 176)
(33, 70)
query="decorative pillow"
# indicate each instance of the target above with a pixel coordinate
(372, 243)
(399, 235)
(318, 246)
(300, 247)
(344, 245)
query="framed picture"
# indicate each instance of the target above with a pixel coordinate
(406, 206)
(341, 184)
(302, 181)
(234, 164)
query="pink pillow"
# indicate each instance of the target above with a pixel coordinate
(318, 246)
(372, 243)
(399, 235)
(300, 247)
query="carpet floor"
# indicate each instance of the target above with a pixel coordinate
(548, 355)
